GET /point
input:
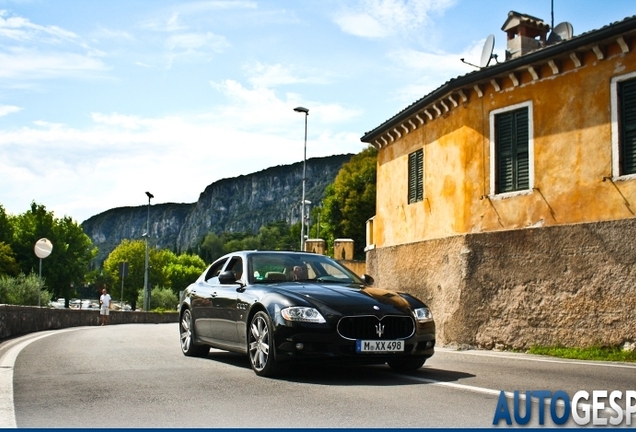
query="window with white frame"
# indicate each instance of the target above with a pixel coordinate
(511, 149)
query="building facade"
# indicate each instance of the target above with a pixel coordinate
(506, 198)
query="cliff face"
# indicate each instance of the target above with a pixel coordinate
(240, 204)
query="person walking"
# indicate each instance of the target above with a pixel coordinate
(104, 306)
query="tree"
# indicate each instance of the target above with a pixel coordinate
(184, 270)
(277, 235)
(23, 290)
(132, 252)
(161, 299)
(350, 201)
(6, 227)
(73, 250)
(167, 270)
(212, 247)
(8, 265)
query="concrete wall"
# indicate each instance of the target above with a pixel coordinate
(19, 320)
(570, 285)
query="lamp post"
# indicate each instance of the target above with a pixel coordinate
(302, 208)
(147, 267)
(42, 249)
(307, 217)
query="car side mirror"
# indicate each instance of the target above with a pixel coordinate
(227, 277)
(368, 280)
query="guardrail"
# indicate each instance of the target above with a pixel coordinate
(20, 320)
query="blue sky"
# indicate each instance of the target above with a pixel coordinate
(101, 101)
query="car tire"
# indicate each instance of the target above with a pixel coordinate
(260, 345)
(187, 337)
(407, 364)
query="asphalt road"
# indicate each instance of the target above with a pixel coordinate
(135, 376)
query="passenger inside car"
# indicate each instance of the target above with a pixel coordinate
(300, 272)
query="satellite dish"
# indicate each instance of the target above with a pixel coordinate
(486, 52)
(562, 31)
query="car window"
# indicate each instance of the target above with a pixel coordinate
(214, 271)
(236, 266)
(267, 268)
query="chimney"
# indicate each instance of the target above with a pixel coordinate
(525, 34)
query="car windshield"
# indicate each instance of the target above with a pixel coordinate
(281, 267)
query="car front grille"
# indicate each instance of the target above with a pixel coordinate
(370, 327)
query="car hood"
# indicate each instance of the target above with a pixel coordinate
(347, 299)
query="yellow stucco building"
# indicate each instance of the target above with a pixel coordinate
(510, 192)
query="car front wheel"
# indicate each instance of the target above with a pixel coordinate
(261, 345)
(187, 336)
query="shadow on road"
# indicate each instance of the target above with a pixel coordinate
(346, 375)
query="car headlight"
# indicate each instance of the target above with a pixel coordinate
(302, 314)
(423, 314)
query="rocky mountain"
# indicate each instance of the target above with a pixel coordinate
(239, 204)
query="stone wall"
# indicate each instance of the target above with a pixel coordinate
(571, 285)
(19, 320)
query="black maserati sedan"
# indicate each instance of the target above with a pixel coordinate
(280, 307)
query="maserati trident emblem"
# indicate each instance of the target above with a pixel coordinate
(376, 307)
(379, 329)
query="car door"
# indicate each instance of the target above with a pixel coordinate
(202, 296)
(225, 313)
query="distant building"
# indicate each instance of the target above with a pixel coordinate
(507, 197)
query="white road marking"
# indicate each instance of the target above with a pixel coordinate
(7, 363)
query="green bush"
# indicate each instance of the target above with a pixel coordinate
(23, 290)
(161, 299)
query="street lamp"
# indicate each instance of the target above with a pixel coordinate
(302, 214)
(147, 267)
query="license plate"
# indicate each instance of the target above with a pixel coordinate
(369, 346)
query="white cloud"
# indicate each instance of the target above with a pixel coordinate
(33, 51)
(431, 70)
(272, 75)
(8, 109)
(182, 42)
(192, 42)
(124, 121)
(21, 29)
(262, 109)
(33, 64)
(111, 163)
(381, 18)
(362, 24)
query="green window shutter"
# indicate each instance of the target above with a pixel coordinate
(522, 179)
(512, 151)
(416, 176)
(627, 124)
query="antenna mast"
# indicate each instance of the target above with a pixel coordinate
(552, 13)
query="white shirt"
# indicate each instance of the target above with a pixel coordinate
(105, 300)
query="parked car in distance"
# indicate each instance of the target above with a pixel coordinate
(279, 307)
(57, 304)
